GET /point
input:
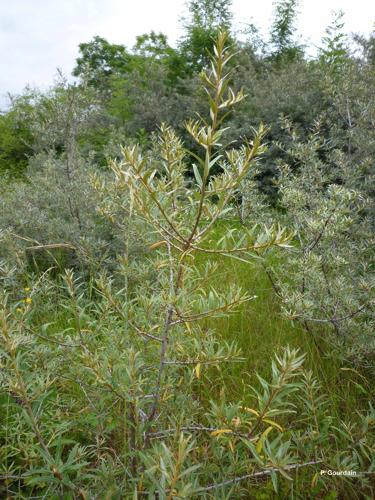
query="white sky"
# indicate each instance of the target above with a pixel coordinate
(37, 36)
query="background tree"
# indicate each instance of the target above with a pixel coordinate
(152, 45)
(284, 47)
(206, 18)
(99, 60)
(334, 53)
(15, 142)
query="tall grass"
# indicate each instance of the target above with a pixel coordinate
(260, 329)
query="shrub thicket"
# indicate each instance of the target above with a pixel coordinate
(121, 306)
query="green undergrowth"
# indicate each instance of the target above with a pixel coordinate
(260, 329)
(257, 327)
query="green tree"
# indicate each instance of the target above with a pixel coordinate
(206, 19)
(152, 45)
(15, 141)
(100, 59)
(334, 54)
(283, 42)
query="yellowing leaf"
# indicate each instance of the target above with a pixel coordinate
(314, 479)
(197, 370)
(157, 244)
(219, 432)
(83, 494)
(274, 424)
(262, 438)
(161, 264)
(250, 410)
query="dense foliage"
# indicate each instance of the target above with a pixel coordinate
(187, 269)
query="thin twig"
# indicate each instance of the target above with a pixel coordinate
(202, 362)
(336, 320)
(265, 472)
(163, 350)
(195, 428)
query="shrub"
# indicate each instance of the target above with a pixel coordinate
(124, 395)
